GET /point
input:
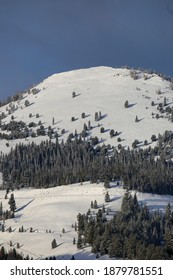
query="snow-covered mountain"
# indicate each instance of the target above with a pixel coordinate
(80, 94)
(103, 90)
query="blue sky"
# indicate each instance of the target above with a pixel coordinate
(43, 37)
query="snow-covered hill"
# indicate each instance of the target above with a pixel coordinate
(48, 211)
(51, 103)
(100, 89)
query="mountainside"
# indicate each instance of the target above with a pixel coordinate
(46, 189)
(69, 102)
(42, 214)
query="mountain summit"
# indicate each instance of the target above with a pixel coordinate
(116, 105)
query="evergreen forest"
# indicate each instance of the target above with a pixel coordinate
(132, 233)
(52, 163)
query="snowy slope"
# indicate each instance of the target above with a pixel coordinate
(98, 89)
(57, 208)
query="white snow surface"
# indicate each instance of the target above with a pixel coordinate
(97, 89)
(57, 208)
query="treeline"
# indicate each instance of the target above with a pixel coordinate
(11, 255)
(52, 163)
(132, 233)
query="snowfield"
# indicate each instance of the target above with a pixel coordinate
(48, 211)
(98, 89)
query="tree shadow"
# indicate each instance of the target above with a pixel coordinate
(38, 116)
(118, 133)
(94, 126)
(102, 141)
(24, 206)
(76, 95)
(75, 119)
(115, 198)
(131, 105)
(59, 244)
(139, 120)
(86, 116)
(30, 104)
(103, 116)
(57, 122)
(23, 97)
(20, 246)
(65, 132)
(106, 130)
(167, 104)
(67, 231)
(18, 216)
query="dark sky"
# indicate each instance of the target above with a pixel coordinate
(41, 37)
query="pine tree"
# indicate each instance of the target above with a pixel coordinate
(127, 205)
(1, 211)
(136, 119)
(112, 133)
(12, 204)
(73, 258)
(79, 242)
(2, 253)
(172, 116)
(96, 117)
(153, 137)
(168, 241)
(126, 104)
(74, 241)
(89, 125)
(107, 197)
(27, 103)
(85, 127)
(53, 244)
(100, 115)
(73, 94)
(83, 115)
(135, 205)
(75, 227)
(106, 184)
(95, 206)
(168, 215)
